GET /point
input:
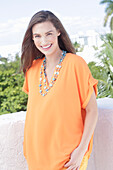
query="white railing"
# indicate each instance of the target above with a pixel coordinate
(11, 140)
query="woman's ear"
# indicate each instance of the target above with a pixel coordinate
(59, 34)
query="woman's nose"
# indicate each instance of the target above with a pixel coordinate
(43, 41)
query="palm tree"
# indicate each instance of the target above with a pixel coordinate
(109, 12)
(103, 71)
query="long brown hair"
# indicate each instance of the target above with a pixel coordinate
(29, 50)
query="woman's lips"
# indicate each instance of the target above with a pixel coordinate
(46, 47)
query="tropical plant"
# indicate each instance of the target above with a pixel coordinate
(103, 70)
(109, 12)
(78, 47)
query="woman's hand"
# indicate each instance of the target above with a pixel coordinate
(75, 159)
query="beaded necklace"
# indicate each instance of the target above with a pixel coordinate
(56, 72)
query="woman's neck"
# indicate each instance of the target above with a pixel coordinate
(52, 61)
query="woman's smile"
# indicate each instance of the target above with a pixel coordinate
(47, 47)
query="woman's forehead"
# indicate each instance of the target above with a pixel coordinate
(43, 27)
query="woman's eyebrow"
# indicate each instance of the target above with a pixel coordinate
(49, 31)
(45, 33)
(36, 34)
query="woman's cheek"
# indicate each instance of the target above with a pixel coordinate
(51, 38)
(37, 43)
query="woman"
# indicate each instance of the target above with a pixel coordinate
(61, 109)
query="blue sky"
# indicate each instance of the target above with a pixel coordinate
(76, 16)
(12, 9)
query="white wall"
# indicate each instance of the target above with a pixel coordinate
(102, 154)
(11, 140)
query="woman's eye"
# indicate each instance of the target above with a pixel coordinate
(37, 36)
(49, 34)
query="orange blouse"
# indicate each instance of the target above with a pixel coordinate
(54, 123)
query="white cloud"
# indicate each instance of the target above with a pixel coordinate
(12, 32)
(75, 24)
(10, 50)
(13, 25)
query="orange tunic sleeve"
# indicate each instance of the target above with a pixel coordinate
(86, 83)
(25, 85)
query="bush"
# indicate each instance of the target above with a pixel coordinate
(12, 98)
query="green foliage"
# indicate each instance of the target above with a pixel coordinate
(12, 98)
(78, 47)
(109, 12)
(7, 65)
(95, 48)
(103, 71)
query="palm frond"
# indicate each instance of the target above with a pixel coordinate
(109, 50)
(106, 20)
(106, 1)
(109, 9)
(103, 70)
(111, 24)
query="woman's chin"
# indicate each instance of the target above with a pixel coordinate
(47, 52)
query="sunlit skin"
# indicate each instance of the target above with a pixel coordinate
(45, 37)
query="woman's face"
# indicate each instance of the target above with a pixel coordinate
(45, 37)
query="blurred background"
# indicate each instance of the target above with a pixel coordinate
(89, 25)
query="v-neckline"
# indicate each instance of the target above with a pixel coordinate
(49, 82)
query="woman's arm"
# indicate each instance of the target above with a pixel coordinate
(90, 121)
(89, 126)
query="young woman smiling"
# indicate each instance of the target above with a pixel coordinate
(61, 110)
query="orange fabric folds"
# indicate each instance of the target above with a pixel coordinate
(54, 123)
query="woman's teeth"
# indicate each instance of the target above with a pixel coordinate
(47, 46)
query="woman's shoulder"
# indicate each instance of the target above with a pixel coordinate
(35, 64)
(37, 61)
(76, 59)
(79, 64)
